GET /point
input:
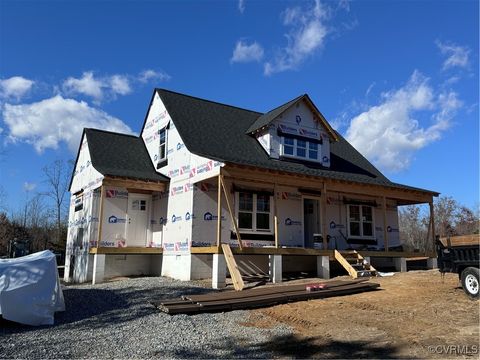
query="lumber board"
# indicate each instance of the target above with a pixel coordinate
(215, 305)
(346, 265)
(463, 240)
(238, 283)
(225, 295)
(232, 216)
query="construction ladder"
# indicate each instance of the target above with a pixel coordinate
(355, 264)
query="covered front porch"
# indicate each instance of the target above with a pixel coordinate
(127, 241)
(334, 198)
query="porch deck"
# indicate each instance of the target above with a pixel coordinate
(307, 251)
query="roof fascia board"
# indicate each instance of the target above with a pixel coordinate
(76, 160)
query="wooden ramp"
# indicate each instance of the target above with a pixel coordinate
(355, 264)
(237, 280)
(260, 297)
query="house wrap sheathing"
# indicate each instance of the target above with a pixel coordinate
(149, 204)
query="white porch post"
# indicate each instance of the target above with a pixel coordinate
(323, 267)
(219, 271)
(98, 268)
(400, 264)
(275, 268)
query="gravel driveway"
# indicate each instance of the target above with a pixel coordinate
(116, 320)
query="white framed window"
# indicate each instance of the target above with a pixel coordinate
(79, 202)
(254, 212)
(300, 148)
(162, 154)
(360, 221)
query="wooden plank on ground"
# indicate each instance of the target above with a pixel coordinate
(233, 268)
(227, 295)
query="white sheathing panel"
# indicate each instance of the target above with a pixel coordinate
(175, 208)
(114, 217)
(264, 139)
(204, 222)
(82, 224)
(337, 221)
(290, 216)
(85, 176)
(158, 218)
(297, 120)
(204, 231)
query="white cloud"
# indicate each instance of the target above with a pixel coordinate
(306, 34)
(15, 87)
(120, 85)
(86, 85)
(29, 186)
(246, 53)
(152, 75)
(47, 123)
(457, 56)
(241, 6)
(388, 133)
(98, 88)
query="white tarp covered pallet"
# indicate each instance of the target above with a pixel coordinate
(30, 291)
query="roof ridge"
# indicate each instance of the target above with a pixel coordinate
(210, 101)
(285, 103)
(112, 132)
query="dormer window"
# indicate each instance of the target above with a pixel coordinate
(306, 149)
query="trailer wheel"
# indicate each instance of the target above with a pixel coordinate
(470, 282)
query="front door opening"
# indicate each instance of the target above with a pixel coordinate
(137, 220)
(311, 220)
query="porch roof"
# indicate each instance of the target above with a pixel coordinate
(121, 155)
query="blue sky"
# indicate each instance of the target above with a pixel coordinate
(399, 79)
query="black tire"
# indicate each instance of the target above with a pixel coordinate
(470, 282)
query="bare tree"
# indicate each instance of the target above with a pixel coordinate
(57, 176)
(413, 232)
(446, 209)
(466, 222)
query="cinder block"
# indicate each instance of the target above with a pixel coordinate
(98, 268)
(323, 267)
(400, 264)
(432, 263)
(275, 268)
(219, 271)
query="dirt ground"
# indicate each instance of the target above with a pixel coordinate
(417, 314)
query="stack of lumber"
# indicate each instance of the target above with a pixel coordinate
(261, 297)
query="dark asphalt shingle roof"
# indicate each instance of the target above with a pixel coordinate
(268, 117)
(121, 155)
(218, 131)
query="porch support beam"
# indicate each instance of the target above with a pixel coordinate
(232, 216)
(324, 217)
(219, 211)
(275, 215)
(134, 184)
(385, 232)
(100, 215)
(432, 217)
(265, 177)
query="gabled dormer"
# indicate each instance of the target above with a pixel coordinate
(295, 131)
